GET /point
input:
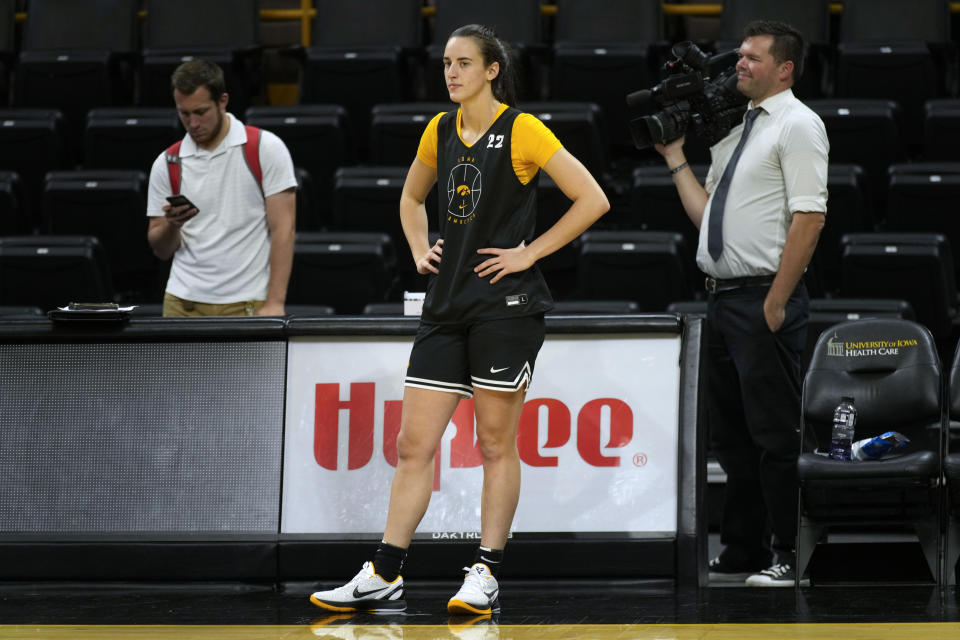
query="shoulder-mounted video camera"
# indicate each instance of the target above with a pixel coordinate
(698, 91)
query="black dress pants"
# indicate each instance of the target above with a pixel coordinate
(753, 405)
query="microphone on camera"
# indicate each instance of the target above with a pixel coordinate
(639, 98)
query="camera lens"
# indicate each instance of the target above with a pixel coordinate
(655, 128)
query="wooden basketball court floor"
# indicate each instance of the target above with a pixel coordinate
(565, 610)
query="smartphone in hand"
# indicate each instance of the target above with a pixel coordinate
(179, 200)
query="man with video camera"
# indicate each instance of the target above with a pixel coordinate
(759, 214)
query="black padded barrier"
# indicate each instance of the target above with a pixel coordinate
(397, 325)
(151, 449)
(107, 471)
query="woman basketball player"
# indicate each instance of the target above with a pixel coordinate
(482, 323)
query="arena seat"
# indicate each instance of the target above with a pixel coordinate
(343, 270)
(866, 133)
(72, 59)
(826, 312)
(396, 128)
(110, 205)
(951, 470)
(847, 212)
(885, 53)
(580, 128)
(14, 217)
(895, 388)
(226, 32)
(912, 266)
(8, 51)
(923, 196)
(941, 129)
(646, 267)
(363, 53)
(33, 143)
(309, 217)
(53, 271)
(602, 51)
(129, 137)
(368, 199)
(319, 137)
(655, 205)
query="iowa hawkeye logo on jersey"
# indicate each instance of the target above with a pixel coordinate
(464, 186)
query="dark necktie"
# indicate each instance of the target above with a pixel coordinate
(715, 235)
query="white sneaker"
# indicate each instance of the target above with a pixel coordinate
(478, 595)
(779, 575)
(367, 591)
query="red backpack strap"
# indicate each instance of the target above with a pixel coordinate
(173, 165)
(251, 153)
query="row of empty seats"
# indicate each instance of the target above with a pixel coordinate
(322, 141)
(919, 197)
(366, 53)
(110, 204)
(350, 269)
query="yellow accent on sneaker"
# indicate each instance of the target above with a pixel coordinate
(459, 607)
(479, 593)
(330, 607)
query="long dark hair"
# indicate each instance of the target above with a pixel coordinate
(493, 49)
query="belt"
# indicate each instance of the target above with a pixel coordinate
(716, 285)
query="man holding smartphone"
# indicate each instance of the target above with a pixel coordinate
(222, 204)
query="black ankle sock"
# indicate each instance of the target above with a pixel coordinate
(388, 560)
(493, 558)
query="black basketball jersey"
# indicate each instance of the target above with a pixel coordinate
(482, 204)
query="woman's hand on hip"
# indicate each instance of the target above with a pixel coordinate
(426, 264)
(504, 261)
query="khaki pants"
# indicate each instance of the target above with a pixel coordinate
(174, 307)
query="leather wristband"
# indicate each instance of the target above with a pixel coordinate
(679, 168)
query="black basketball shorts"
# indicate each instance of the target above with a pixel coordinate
(489, 354)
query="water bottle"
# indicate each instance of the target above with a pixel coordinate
(844, 418)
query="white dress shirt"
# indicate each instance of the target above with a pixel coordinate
(782, 170)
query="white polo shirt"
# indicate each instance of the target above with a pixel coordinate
(782, 169)
(224, 253)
